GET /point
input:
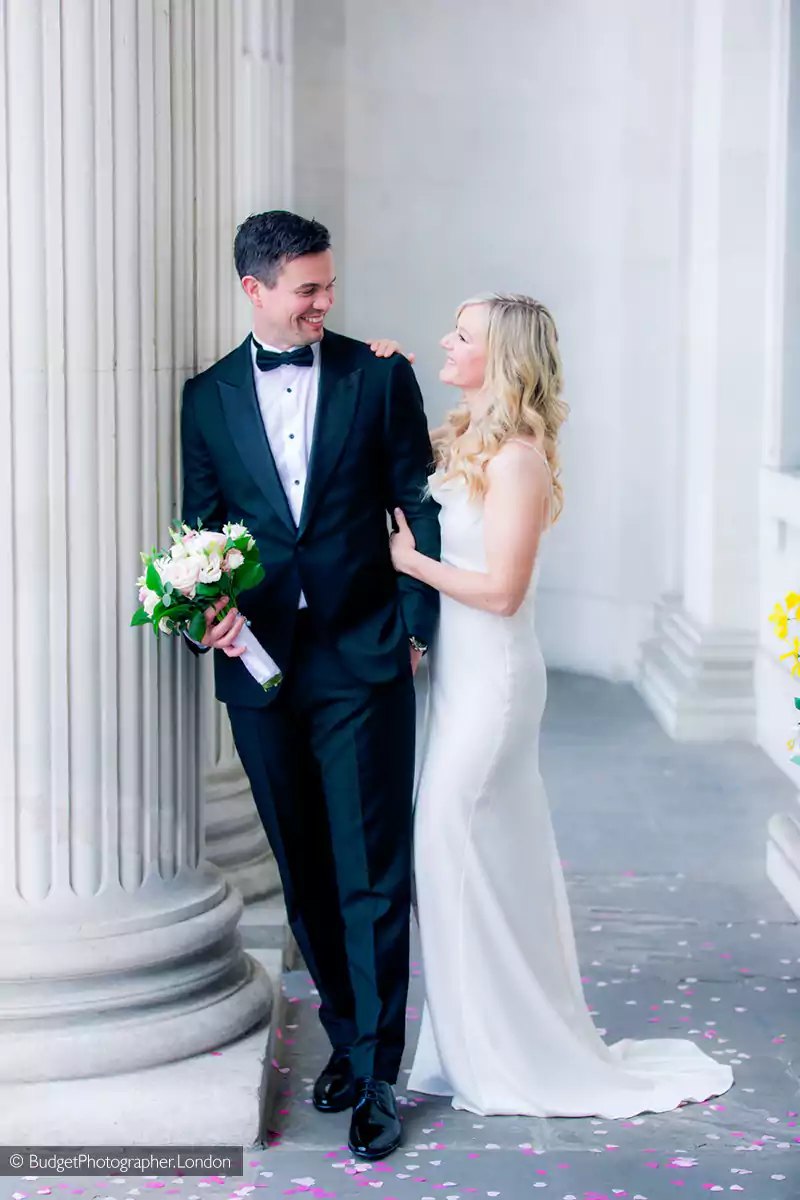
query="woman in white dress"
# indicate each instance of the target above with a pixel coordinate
(506, 1028)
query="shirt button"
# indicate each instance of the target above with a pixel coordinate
(297, 482)
(291, 437)
(288, 389)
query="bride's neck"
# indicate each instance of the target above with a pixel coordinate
(477, 401)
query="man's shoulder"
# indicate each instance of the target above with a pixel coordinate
(223, 368)
(357, 354)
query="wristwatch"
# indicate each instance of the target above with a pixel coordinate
(416, 644)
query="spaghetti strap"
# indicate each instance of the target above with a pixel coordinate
(535, 449)
(543, 457)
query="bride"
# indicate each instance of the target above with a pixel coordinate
(506, 1029)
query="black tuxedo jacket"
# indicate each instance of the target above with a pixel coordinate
(370, 453)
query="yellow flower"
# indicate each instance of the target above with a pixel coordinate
(793, 652)
(793, 601)
(780, 621)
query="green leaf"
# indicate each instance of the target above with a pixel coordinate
(197, 627)
(797, 701)
(140, 617)
(248, 576)
(153, 580)
(181, 612)
(795, 759)
(168, 588)
(211, 590)
(166, 600)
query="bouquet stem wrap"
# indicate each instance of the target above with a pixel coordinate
(261, 666)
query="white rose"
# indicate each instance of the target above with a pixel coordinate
(211, 569)
(209, 541)
(183, 574)
(233, 560)
(165, 625)
(149, 600)
(178, 551)
(234, 532)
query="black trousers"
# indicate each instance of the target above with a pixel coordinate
(331, 765)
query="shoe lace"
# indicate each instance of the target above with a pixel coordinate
(369, 1090)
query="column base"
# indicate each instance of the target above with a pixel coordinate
(205, 1100)
(699, 682)
(162, 978)
(783, 856)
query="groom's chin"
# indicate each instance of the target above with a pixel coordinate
(311, 333)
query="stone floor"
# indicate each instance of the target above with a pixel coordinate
(679, 932)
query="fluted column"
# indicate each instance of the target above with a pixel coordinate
(118, 942)
(244, 57)
(698, 672)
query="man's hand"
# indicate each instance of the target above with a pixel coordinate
(385, 348)
(221, 635)
(416, 659)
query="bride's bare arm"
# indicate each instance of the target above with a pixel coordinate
(516, 512)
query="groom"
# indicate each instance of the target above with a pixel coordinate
(310, 440)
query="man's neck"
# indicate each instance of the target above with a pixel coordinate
(280, 344)
(271, 343)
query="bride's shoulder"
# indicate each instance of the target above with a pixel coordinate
(518, 455)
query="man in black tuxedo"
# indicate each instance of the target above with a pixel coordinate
(309, 439)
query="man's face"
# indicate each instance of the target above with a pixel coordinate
(293, 311)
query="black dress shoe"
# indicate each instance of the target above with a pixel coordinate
(335, 1089)
(375, 1128)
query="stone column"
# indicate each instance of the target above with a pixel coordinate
(118, 942)
(244, 56)
(698, 672)
(780, 490)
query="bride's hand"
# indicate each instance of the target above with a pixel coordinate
(385, 348)
(401, 544)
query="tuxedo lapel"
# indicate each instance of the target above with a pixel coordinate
(243, 417)
(339, 392)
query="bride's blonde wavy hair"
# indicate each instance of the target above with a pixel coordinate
(524, 381)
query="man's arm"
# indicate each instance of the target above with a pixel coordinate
(202, 499)
(408, 459)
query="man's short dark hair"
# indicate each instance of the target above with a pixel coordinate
(266, 241)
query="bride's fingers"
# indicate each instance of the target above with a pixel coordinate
(386, 347)
(402, 523)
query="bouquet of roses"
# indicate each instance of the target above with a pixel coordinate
(198, 569)
(785, 618)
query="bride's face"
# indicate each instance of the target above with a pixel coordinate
(465, 365)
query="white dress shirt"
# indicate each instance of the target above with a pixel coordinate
(287, 398)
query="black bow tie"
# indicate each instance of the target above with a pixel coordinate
(268, 360)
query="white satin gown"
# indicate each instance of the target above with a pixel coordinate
(506, 1028)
